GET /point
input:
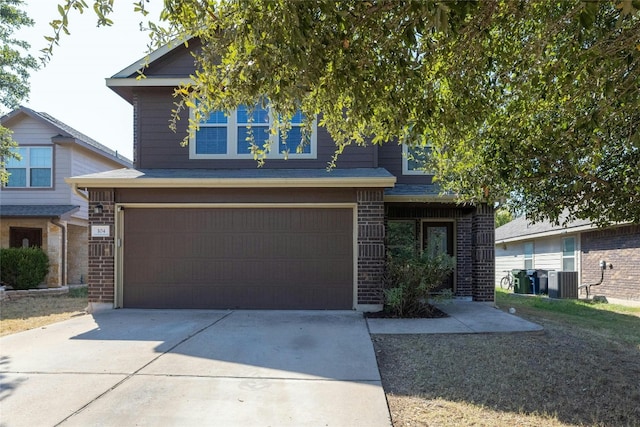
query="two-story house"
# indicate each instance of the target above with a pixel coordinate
(37, 208)
(201, 226)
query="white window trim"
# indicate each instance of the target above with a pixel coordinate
(405, 163)
(232, 142)
(27, 159)
(573, 255)
(531, 256)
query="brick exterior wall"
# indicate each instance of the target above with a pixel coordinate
(463, 222)
(464, 265)
(371, 249)
(483, 253)
(101, 277)
(619, 246)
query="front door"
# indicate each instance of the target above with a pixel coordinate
(437, 238)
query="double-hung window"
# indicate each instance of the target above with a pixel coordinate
(413, 159)
(528, 255)
(33, 170)
(232, 136)
(569, 254)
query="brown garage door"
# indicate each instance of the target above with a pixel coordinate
(262, 258)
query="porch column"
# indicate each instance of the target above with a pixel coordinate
(101, 276)
(483, 259)
(370, 248)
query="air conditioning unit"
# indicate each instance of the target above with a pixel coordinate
(563, 284)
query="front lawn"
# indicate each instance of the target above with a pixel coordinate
(35, 312)
(583, 369)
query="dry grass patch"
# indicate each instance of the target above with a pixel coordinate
(565, 375)
(34, 312)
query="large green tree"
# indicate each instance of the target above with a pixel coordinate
(15, 66)
(532, 101)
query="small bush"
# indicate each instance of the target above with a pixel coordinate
(409, 280)
(23, 268)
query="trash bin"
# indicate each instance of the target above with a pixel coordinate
(533, 279)
(521, 282)
(543, 281)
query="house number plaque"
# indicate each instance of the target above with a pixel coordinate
(100, 231)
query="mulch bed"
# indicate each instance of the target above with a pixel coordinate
(428, 312)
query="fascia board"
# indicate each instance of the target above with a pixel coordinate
(421, 199)
(147, 82)
(361, 182)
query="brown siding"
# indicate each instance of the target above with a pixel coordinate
(158, 147)
(390, 158)
(238, 258)
(177, 63)
(619, 246)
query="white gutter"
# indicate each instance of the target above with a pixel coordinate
(76, 191)
(230, 182)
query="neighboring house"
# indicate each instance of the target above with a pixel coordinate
(579, 246)
(203, 227)
(37, 208)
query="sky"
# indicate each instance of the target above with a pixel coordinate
(72, 87)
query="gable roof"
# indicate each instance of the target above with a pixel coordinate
(67, 131)
(523, 229)
(132, 71)
(126, 79)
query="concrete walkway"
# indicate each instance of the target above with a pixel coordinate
(465, 317)
(193, 368)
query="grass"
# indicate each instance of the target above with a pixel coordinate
(610, 321)
(583, 369)
(35, 312)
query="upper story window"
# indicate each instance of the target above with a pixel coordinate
(221, 136)
(413, 159)
(33, 170)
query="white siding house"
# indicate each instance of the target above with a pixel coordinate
(37, 206)
(577, 246)
(547, 247)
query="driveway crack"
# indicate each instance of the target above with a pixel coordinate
(134, 373)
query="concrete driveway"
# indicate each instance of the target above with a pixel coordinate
(193, 368)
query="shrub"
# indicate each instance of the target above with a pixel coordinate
(409, 280)
(23, 268)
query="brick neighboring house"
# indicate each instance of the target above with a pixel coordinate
(37, 208)
(202, 227)
(579, 246)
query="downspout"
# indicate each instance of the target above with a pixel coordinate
(76, 191)
(63, 255)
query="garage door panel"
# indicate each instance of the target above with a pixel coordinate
(297, 258)
(229, 297)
